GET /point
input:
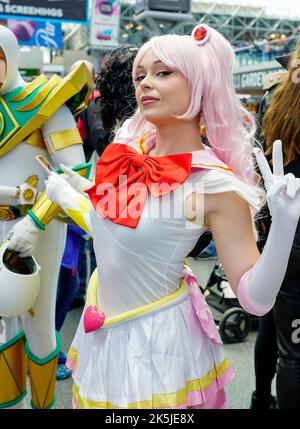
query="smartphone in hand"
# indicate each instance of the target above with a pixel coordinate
(45, 164)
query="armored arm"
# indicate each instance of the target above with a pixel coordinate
(8, 191)
(64, 145)
(74, 204)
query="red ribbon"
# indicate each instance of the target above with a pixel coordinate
(124, 177)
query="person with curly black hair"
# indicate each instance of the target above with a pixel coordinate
(117, 95)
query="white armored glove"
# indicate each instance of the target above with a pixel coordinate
(57, 186)
(79, 183)
(24, 236)
(72, 202)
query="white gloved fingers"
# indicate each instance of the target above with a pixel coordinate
(67, 170)
(277, 159)
(276, 189)
(55, 180)
(51, 184)
(50, 178)
(29, 251)
(79, 183)
(57, 177)
(17, 244)
(71, 176)
(291, 185)
(264, 168)
(25, 235)
(51, 192)
(56, 186)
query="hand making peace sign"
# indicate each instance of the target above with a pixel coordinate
(283, 191)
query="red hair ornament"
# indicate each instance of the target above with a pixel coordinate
(201, 34)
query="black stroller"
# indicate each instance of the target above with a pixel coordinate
(233, 321)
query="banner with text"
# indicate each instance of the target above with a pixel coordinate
(105, 20)
(37, 33)
(54, 10)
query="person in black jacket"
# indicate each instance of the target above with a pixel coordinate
(281, 119)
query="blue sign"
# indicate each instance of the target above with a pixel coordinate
(37, 33)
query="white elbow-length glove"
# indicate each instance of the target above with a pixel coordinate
(72, 202)
(259, 286)
(24, 237)
(79, 183)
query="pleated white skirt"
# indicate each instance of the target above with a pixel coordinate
(161, 360)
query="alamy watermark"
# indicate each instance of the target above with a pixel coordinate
(130, 200)
(296, 331)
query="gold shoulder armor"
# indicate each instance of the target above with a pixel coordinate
(73, 90)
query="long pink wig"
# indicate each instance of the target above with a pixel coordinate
(209, 72)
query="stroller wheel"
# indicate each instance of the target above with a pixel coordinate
(235, 325)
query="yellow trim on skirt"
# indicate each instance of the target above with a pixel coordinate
(158, 400)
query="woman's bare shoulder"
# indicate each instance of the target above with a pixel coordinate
(223, 202)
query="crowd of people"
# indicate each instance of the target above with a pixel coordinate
(264, 49)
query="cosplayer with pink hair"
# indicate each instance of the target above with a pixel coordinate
(147, 338)
(208, 71)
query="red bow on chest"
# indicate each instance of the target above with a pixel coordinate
(124, 177)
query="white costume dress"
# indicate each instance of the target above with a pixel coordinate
(153, 356)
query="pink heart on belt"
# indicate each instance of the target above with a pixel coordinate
(93, 319)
